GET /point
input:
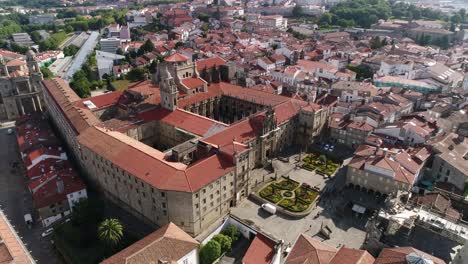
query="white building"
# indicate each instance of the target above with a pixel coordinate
(109, 45)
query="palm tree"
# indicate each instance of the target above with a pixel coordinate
(110, 231)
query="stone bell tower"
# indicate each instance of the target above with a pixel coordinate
(168, 90)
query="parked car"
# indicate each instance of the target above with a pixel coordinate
(48, 232)
(269, 208)
(10, 131)
(327, 147)
(332, 147)
(28, 220)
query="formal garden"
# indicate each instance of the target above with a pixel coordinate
(320, 163)
(289, 195)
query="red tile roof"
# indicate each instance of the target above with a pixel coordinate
(176, 57)
(168, 243)
(45, 190)
(209, 63)
(308, 250)
(352, 256)
(149, 165)
(187, 121)
(64, 97)
(261, 251)
(192, 83)
(101, 101)
(251, 95)
(12, 248)
(398, 256)
(241, 131)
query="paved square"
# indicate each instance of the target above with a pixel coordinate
(349, 229)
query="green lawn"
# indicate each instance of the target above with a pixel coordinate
(321, 164)
(120, 85)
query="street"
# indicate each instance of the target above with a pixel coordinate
(16, 201)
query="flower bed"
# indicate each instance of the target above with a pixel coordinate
(289, 195)
(286, 184)
(306, 194)
(271, 194)
(320, 163)
(294, 205)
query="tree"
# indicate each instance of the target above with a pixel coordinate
(148, 46)
(362, 71)
(110, 231)
(462, 13)
(210, 252)
(46, 73)
(297, 11)
(80, 84)
(224, 241)
(232, 232)
(456, 19)
(375, 43)
(325, 19)
(136, 74)
(70, 50)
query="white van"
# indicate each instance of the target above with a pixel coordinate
(269, 208)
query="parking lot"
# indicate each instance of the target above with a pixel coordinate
(349, 229)
(16, 201)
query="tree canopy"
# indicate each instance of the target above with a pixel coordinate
(210, 252)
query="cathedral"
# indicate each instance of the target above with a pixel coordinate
(20, 82)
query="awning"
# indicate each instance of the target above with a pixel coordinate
(359, 209)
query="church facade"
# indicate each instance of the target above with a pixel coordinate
(20, 82)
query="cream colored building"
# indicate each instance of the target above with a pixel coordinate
(386, 171)
(166, 164)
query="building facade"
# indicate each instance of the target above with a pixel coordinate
(179, 150)
(20, 82)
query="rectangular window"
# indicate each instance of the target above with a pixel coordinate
(163, 194)
(163, 205)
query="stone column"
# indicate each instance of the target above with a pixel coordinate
(20, 102)
(39, 103)
(34, 104)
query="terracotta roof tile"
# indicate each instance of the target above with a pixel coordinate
(168, 243)
(176, 57)
(261, 251)
(352, 256)
(64, 97)
(308, 250)
(149, 165)
(12, 248)
(187, 121)
(209, 63)
(192, 83)
(398, 256)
